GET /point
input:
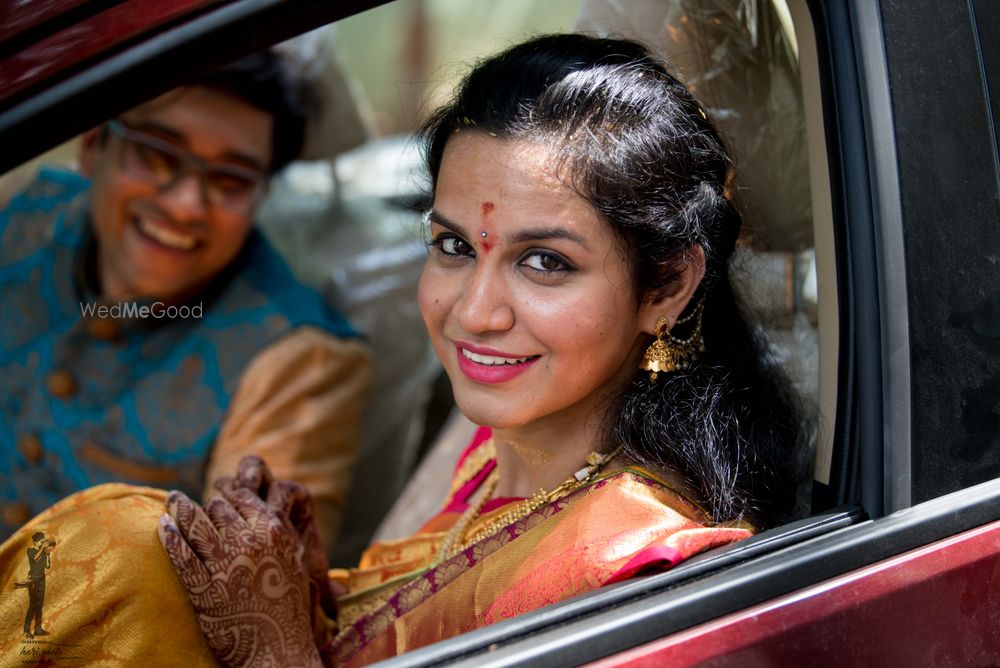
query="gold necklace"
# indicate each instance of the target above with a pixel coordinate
(452, 544)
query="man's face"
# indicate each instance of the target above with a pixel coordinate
(162, 237)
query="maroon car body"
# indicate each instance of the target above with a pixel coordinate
(885, 614)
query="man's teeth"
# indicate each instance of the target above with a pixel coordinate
(166, 236)
(492, 360)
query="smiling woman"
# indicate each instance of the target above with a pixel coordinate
(535, 323)
(603, 189)
(577, 292)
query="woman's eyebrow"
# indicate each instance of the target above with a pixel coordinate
(523, 236)
(545, 233)
(435, 217)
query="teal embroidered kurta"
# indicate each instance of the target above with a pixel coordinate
(85, 400)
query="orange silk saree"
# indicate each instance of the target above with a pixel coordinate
(626, 522)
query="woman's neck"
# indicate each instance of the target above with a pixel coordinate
(543, 455)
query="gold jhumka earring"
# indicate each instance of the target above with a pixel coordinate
(669, 353)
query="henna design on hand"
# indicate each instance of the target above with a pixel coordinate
(295, 502)
(242, 563)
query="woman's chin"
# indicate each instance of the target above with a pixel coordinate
(486, 416)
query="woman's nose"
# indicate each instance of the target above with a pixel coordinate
(485, 305)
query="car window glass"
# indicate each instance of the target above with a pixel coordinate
(387, 68)
(952, 249)
(987, 19)
(346, 216)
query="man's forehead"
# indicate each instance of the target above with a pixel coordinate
(212, 122)
(191, 100)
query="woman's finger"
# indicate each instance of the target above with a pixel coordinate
(253, 474)
(248, 505)
(291, 500)
(224, 517)
(300, 515)
(193, 525)
(189, 567)
(224, 482)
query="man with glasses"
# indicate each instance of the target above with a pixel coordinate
(150, 334)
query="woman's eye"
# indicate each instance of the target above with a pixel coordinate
(545, 262)
(450, 245)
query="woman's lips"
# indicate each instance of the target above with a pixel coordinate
(484, 365)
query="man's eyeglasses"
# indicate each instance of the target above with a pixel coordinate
(163, 164)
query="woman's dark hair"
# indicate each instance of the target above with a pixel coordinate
(266, 81)
(635, 143)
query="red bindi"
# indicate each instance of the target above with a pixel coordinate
(486, 208)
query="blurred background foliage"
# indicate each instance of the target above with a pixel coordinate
(407, 56)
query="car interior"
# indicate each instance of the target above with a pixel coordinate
(346, 215)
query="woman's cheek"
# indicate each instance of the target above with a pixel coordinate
(433, 292)
(425, 293)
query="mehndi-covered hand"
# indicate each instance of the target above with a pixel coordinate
(242, 562)
(295, 503)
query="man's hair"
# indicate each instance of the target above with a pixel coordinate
(266, 81)
(37, 536)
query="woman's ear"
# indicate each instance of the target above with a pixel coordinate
(91, 145)
(671, 301)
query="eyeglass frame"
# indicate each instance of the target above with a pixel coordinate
(188, 162)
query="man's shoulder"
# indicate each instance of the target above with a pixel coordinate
(50, 187)
(50, 209)
(263, 271)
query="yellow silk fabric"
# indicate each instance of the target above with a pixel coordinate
(111, 595)
(567, 548)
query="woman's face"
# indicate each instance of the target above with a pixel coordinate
(526, 292)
